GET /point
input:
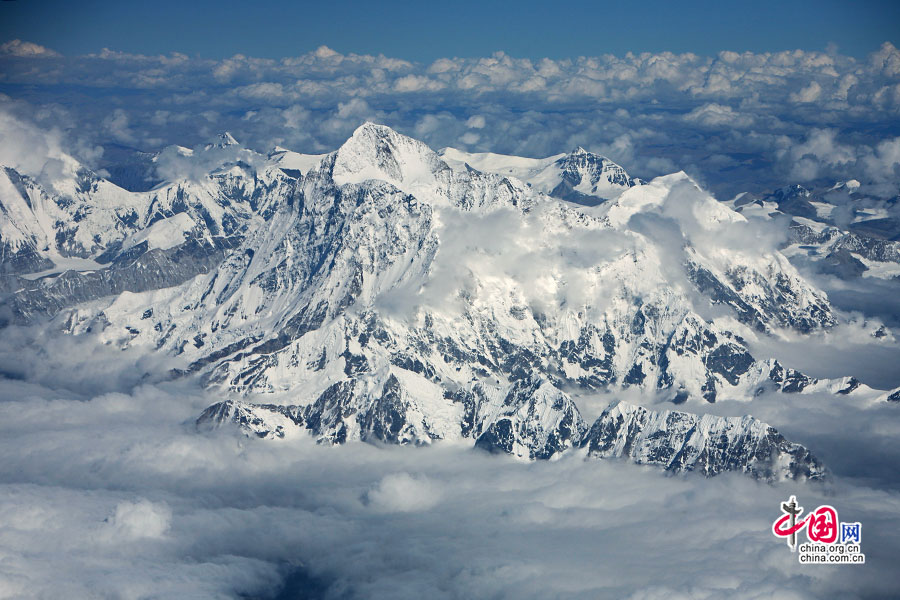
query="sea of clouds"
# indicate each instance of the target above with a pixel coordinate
(107, 490)
(735, 121)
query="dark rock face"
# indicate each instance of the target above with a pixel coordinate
(262, 420)
(586, 170)
(835, 249)
(794, 200)
(833, 229)
(534, 420)
(580, 164)
(779, 304)
(706, 444)
(521, 425)
(386, 419)
(674, 441)
(842, 263)
(150, 270)
(789, 380)
(887, 229)
(197, 227)
(24, 259)
(333, 411)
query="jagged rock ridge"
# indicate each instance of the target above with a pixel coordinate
(678, 441)
(581, 177)
(675, 441)
(80, 237)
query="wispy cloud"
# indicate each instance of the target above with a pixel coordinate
(26, 49)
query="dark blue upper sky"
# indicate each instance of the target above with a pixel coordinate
(423, 31)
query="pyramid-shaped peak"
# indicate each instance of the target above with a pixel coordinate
(370, 130)
(378, 152)
(223, 140)
(581, 158)
(580, 154)
(373, 126)
(371, 137)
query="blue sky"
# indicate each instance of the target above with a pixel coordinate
(424, 31)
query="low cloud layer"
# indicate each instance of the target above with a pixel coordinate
(734, 121)
(114, 494)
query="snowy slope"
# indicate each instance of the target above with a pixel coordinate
(80, 237)
(393, 298)
(294, 163)
(83, 215)
(836, 230)
(580, 176)
(679, 441)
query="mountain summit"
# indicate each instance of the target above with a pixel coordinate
(580, 176)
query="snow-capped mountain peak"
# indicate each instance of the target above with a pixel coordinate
(676, 196)
(679, 441)
(580, 176)
(377, 152)
(223, 140)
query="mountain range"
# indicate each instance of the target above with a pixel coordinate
(389, 293)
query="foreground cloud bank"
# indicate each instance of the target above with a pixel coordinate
(737, 122)
(115, 495)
